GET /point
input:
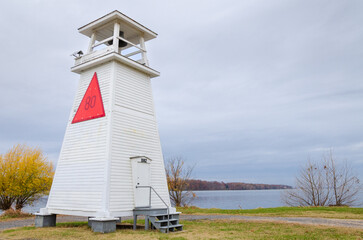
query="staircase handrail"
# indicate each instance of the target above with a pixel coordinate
(167, 206)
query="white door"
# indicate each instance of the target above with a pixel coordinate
(142, 194)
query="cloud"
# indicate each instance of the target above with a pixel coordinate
(248, 90)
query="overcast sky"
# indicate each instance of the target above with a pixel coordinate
(248, 89)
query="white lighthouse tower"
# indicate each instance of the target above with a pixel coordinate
(111, 163)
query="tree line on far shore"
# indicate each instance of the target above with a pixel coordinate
(199, 185)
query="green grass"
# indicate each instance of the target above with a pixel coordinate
(18, 229)
(201, 229)
(321, 212)
(72, 224)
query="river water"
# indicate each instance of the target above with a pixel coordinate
(236, 199)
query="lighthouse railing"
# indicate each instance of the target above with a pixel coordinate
(87, 57)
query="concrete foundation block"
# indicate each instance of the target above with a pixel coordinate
(45, 220)
(89, 222)
(103, 225)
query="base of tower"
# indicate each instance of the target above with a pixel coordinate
(45, 220)
(103, 225)
(85, 213)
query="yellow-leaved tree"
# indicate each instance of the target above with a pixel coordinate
(25, 176)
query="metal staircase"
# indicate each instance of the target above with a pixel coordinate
(165, 222)
(158, 218)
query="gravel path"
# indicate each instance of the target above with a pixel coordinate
(299, 220)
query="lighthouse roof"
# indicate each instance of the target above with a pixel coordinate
(103, 27)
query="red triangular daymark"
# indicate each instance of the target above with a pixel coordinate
(91, 105)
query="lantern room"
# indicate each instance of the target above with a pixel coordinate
(115, 33)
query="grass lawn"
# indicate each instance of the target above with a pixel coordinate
(317, 212)
(202, 229)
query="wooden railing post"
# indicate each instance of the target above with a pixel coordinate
(91, 42)
(116, 33)
(143, 53)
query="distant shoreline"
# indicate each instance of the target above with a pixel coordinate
(241, 190)
(202, 185)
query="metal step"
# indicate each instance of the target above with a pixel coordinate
(165, 216)
(166, 220)
(149, 211)
(174, 213)
(172, 228)
(149, 208)
(164, 223)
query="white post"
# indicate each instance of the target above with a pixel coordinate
(91, 42)
(116, 33)
(143, 53)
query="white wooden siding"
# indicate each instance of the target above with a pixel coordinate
(133, 89)
(134, 133)
(134, 136)
(80, 175)
(94, 169)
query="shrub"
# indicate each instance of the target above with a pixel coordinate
(25, 175)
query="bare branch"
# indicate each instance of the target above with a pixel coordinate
(177, 176)
(324, 183)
